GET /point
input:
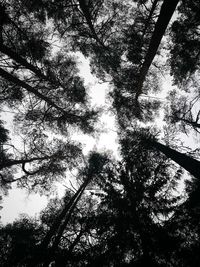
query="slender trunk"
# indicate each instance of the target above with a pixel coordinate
(67, 218)
(167, 9)
(54, 228)
(58, 227)
(75, 242)
(61, 230)
(60, 258)
(189, 164)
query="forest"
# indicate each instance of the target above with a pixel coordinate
(141, 208)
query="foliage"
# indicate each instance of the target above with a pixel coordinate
(184, 58)
(120, 212)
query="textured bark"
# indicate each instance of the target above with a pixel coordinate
(189, 164)
(167, 10)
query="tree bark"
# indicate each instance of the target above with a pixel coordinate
(189, 164)
(167, 10)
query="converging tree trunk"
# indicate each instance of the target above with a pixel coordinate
(69, 207)
(189, 164)
(167, 10)
(63, 225)
(57, 228)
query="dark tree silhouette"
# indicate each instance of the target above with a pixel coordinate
(189, 164)
(125, 211)
(167, 10)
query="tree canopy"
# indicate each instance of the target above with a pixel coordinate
(140, 208)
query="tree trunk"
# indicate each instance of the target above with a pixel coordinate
(167, 9)
(67, 218)
(64, 212)
(189, 164)
(59, 225)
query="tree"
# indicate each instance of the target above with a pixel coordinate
(4, 137)
(116, 225)
(53, 75)
(166, 12)
(126, 211)
(50, 243)
(48, 95)
(149, 142)
(188, 163)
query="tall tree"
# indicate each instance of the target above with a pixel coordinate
(188, 163)
(88, 174)
(167, 10)
(149, 141)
